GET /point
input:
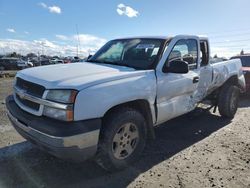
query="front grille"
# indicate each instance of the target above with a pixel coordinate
(31, 88)
(28, 103)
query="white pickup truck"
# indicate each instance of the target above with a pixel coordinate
(107, 107)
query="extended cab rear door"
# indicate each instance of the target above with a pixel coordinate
(175, 91)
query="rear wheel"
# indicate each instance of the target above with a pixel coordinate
(228, 101)
(122, 139)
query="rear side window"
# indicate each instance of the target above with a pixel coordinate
(185, 50)
(204, 53)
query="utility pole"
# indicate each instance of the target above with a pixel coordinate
(78, 42)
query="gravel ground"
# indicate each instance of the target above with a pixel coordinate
(201, 151)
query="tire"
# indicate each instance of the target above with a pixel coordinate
(123, 130)
(228, 101)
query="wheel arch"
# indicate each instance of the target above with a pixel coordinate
(232, 80)
(235, 80)
(141, 105)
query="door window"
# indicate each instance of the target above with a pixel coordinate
(185, 50)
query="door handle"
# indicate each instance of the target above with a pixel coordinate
(196, 79)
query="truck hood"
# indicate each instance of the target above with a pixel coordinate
(77, 75)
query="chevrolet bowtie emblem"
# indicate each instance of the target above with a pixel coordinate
(21, 94)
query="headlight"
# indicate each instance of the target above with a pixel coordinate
(63, 96)
(65, 115)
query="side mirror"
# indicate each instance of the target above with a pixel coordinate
(89, 57)
(177, 66)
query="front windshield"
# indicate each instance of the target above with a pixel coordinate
(135, 53)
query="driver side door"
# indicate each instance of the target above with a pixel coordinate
(175, 91)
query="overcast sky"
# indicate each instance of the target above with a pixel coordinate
(51, 27)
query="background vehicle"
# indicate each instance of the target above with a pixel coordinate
(245, 60)
(30, 64)
(10, 64)
(66, 61)
(56, 61)
(108, 106)
(23, 64)
(45, 62)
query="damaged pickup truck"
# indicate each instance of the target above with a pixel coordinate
(107, 107)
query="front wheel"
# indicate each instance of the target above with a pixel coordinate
(122, 139)
(228, 101)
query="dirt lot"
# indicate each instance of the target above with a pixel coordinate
(205, 151)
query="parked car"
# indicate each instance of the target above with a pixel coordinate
(56, 61)
(45, 62)
(59, 62)
(245, 60)
(30, 64)
(35, 61)
(66, 61)
(12, 64)
(24, 64)
(107, 107)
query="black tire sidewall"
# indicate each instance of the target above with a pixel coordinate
(235, 91)
(225, 101)
(111, 127)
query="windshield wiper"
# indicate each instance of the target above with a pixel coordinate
(113, 63)
(119, 64)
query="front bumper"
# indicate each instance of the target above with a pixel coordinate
(68, 140)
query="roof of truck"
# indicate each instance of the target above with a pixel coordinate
(201, 37)
(147, 37)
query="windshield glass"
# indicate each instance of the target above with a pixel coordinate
(135, 53)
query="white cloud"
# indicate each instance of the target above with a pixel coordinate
(55, 9)
(126, 10)
(45, 43)
(43, 5)
(11, 30)
(88, 44)
(26, 32)
(52, 9)
(62, 37)
(91, 40)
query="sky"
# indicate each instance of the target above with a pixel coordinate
(57, 27)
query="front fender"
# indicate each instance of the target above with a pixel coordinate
(95, 101)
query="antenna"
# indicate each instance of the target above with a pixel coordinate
(78, 44)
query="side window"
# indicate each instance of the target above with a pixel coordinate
(204, 53)
(185, 50)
